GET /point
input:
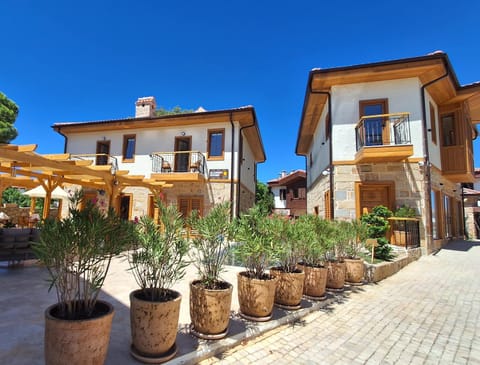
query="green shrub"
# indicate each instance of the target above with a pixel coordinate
(377, 227)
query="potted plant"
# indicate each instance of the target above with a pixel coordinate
(314, 236)
(256, 287)
(210, 296)
(377, 227)
(77, 252)
(157, 262)
(286, 240)
(336, 256)
(354, 267)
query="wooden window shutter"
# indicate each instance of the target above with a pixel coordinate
(326, 199)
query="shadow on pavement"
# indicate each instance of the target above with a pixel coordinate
(460, 245)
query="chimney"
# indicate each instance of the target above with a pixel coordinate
(283, 174)
(145, 107)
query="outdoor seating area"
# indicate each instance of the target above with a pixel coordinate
(16, 244)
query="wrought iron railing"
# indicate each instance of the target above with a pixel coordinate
(180, 161)
(99, 159)
(405, 231)
(383, 129)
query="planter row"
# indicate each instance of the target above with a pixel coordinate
(154, 324)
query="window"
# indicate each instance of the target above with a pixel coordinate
(295, 193)
(328, 126)
(216, 144)
(103, 152)
(187, 204)
(433, 123)
(129, 148)
(436, 214)
(448, 130)
(283, 194)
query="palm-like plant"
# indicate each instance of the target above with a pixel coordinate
(77, 252)
(211, 243)
(254, 232)
(159, 258)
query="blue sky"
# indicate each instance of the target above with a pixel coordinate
(90, 60)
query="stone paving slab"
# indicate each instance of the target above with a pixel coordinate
(428, 313)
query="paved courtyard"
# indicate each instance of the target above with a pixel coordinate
(428, 313)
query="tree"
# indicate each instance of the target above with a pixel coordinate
(175, 110)
(264, 198)
(8, 115)
(14, 195)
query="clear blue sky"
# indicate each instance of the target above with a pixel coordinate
(91, 60)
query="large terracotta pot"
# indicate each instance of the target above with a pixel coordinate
(354, 270)
(315, 283)
(336, 275)
(154, 327)
(78, 342)
(210, 310)
(289, 290)
(256, 297)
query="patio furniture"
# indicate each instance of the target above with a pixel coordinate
(16, 244)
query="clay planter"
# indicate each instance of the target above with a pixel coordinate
(210, 310)
(336, 275)
(77, 342)
(289, 290)
(256, 297)
(315, 283)
(354, 270)
(154, 327)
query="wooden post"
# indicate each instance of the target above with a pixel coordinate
(374, 243)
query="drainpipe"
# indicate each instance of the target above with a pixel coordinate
(330, 146)
(240, 154)
(231, 164)
(426, 164)
(65, 143)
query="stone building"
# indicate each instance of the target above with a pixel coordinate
(203, 157)
(390, 133)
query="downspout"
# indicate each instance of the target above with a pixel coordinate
(426, 164)
(330, 147)
(232, 165)
(65, 143)
(240, 154)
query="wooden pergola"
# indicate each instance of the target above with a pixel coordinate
(21, 166)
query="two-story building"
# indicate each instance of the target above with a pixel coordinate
(202, 157)
(289, 193)
(390, 133)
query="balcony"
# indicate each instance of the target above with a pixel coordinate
(383, 138)
(179, 166)
(102, 161)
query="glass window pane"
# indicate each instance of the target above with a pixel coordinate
(130, 148)
(216, 144)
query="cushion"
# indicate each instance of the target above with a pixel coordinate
(22, 238)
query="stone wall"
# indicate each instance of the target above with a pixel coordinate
(376, 272)
(316, 194)
(14, 212)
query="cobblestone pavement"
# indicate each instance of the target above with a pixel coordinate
(428, 313)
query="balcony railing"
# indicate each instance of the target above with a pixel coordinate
(383, 130)
(99, 159)
(181, 161)
(405, 231)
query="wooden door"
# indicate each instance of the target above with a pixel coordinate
(182, 159)
(370, 195)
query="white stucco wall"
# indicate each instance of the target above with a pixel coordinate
(278, 203)
(433, 149)
(247, 167)
(319, 151)
(149, 141)
(403, 96)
